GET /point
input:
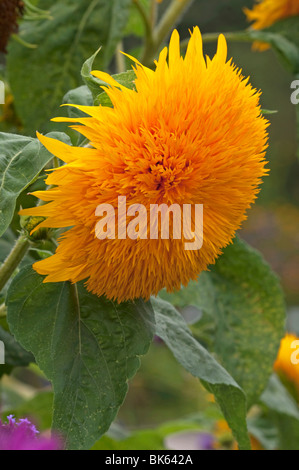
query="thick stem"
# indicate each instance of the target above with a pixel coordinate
(164, 27)
(13, 260)
(120, 59)
(56, 162)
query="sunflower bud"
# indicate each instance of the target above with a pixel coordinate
(29, 225)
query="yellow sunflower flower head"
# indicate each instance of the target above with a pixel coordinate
(287, 361)
(190, 133)
(267, 12)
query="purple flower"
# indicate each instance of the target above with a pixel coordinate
(22, 435)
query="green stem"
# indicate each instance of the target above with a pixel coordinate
(34, 9)
(120, 58)
(13, 260)
(56, 162)
(167, 22)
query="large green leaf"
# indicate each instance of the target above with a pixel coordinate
(21, 160)
(172, 329)
(87, 346)
(77, 28)
(243, 297)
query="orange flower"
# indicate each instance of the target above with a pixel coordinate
(284, 363)
(191, 133)
(267, 12)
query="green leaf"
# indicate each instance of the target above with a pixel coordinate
(77, 28)
(81, 96)
(243, 297)
(284, 413)
(172, 329)
(264, 430)
(288, 28)
(277, 398)
(94, 84)
(21, 161)
(283, 37)
(89, 348)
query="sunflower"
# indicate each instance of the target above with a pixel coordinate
(286, 362)
(191, 132)
(10, 11)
